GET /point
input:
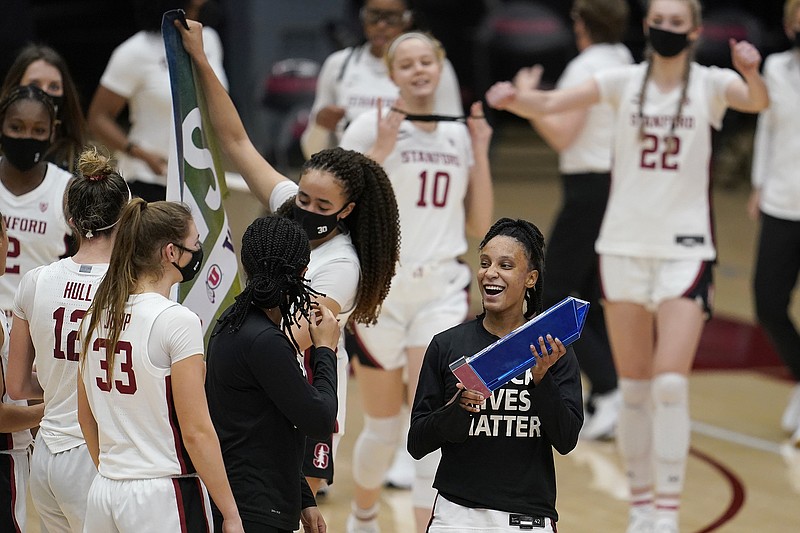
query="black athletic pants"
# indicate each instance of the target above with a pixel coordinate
(777, 267)
(571, 269)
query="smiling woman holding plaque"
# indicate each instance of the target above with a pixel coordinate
(505, 441)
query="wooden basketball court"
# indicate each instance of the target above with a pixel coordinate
(742, 474)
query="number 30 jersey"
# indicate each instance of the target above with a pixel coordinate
(131, 399)
(429, 172)
(53, 299)
(659, 204)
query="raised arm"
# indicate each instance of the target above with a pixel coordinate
(750, 95)
(21, 380)
(529, 103)
(559, 130)
(260, 176)
(479, 201)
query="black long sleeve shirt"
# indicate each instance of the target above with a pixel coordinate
(262, 408)
(502, 457)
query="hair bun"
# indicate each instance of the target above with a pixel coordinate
(94, 166)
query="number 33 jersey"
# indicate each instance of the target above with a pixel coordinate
(53, 299)
(659, 204)
(131, 399)
(429, 172)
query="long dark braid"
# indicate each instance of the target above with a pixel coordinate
(374, 223)
(533, 241)
(275, 253)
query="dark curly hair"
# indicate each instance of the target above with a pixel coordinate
(27, 92)
(275, 253)
(374, 223)
(532, 241)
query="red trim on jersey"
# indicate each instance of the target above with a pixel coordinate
(364, 357)
(177, 439)
(688, 292)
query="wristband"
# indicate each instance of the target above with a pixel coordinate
(129, 147)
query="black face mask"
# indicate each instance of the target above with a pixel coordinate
(667, 43)
(191, 269)
(315, 225)
(23, 152)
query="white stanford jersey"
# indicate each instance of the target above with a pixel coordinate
(132, 403)
(429, 172)
(18, 440)
(36, 229)
(53, 299)
(659, 205)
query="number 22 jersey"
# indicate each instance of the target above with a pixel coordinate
(659, 205)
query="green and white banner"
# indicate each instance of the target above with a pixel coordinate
(196, 177)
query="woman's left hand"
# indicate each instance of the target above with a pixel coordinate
(545, 359)
(312, 520)
(745, 57)
(479, 129)
(470, 400)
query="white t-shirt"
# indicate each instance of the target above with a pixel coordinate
(134, 409)
(53, 299)
(659, 204)
(18, 440)
(137, 71)
(355, 79)
(777, 142)
(37, 228)
(430, 174)
(334, 268)
(591, 149)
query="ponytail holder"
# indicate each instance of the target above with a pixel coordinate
(96, 177)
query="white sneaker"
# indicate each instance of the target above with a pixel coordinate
(640, 519)
(602, 425)
(354, 525)
(401, 474)
(790, 421)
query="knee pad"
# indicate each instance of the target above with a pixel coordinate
(374, 450)
(671, 424)
(634, 430)
(670, 388)
(422, 492)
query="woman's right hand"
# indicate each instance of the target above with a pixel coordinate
(232, 525)
(329, 116)
(501, 94)
(323, 327)
(192, 38)
(156, 163)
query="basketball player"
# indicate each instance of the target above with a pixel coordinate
(16, 420)
(141, 404)
(352, 80)
(442, 180)
(346, 205)
(655, 244)
(31, 189)
(583, 139)
(47, 310)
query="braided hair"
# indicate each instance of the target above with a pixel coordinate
(374, 223)
(532, 240)
(27, 92)
(275, 254)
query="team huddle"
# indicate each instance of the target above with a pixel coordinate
(142, 427)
